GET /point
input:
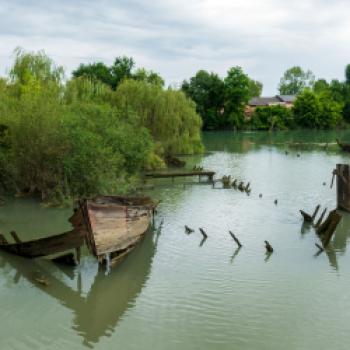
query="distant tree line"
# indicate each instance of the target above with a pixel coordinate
(221, 102)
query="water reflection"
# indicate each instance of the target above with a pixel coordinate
(97, 312)
(235, 253)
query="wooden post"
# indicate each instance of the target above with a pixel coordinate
(15, 237)
(342, 173)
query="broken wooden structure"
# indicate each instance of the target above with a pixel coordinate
(111, 226)
(342, 174)
(173, 174)
(324, 229)
(328, 227)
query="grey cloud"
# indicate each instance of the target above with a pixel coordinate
(177, 38)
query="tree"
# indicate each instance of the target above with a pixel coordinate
(320, 86)
(122, 69)
(295, 80)
(271, 118)
(149, 77)
(255, 88)
(347, 74)
(237, 94)
(330, 111)
(207, 91)
(169, 115)
(306, 109)
(95, 71)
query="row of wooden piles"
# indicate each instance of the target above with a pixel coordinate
(227, 182)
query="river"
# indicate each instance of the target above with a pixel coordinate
(175, 291)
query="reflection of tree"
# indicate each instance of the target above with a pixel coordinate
(98, 313)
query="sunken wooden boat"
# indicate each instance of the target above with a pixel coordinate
(111, 226)
(344, 146)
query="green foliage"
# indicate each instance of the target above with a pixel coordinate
(150, 77)
(295, 80)
(347, 74)
(95, 72)
(112, 76)
(321, 86)
(237, 95)
(255, 88)
(307, 109)
(79, 138)
(169, 115)
(317, 111)
(272, 118)
(207, 91)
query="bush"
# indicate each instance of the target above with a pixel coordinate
(272, 118)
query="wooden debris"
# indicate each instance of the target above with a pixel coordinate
(307, 217)
(268, 247)
(235, 239)
(319, 247)
(310, 218)
(226, 181)
(205, 236)
(319, 221)
(15, 237)
(328, 228)
(241, 186)
(188, 229)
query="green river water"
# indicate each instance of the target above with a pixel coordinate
(172, 292)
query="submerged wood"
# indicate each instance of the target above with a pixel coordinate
(328, 227)
(268, 247)
(45, 246)
(205, 236)
(188, 229)
(310, 218)
(329, 232)
(235, 239)
(319, 221)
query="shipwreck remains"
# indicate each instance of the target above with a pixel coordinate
(342, 174)
(111, 226)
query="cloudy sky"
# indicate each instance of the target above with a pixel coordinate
(178, 37)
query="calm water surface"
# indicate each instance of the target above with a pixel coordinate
(173, 292)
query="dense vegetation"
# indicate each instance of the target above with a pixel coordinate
(221, 102)
(68, 139)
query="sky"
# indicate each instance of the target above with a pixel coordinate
(178, 38)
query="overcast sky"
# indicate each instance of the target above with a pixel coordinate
(177, 38)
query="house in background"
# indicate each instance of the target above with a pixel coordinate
(278, 100)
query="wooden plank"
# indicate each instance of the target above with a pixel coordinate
(180, 174)
(47, 245)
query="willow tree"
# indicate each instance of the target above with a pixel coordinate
(168, 114)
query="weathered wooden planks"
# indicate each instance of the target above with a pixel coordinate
(48, 245)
